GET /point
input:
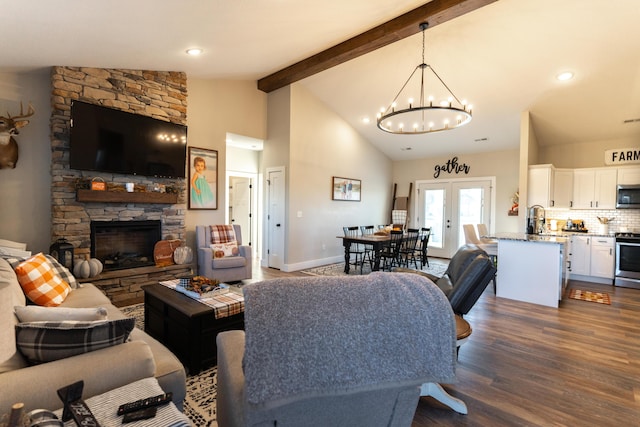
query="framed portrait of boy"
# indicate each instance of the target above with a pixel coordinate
(202, 187)
(347, 189)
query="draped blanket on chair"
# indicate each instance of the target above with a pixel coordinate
(318, 336)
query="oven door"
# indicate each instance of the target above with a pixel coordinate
(628, 264)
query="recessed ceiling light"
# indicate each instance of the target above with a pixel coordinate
(194, 51)
(567, 75)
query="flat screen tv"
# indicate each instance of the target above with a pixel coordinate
(108, 140)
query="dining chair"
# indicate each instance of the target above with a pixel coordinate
(390, 254)
(368, 230)
(408, 247)
(356, 249)
(423, 245)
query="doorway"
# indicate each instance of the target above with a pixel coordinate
(445, 206)
(275, 217)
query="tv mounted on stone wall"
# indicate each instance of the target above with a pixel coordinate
(109, 140)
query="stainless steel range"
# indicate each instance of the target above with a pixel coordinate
(627, 260)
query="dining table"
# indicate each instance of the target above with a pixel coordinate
(376, 241)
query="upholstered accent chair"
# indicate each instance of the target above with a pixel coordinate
(320, 351)
(222, 262)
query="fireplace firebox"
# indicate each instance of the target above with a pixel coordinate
(124, 244)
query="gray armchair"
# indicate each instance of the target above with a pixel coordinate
(334, 351)
(226, 269)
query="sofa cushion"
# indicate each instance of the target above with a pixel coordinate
(60, 269)
(229, 262)
(10, 358)
(40, 283)
(47, 341)
(35, 313)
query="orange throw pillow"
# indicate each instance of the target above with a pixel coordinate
(40, 282)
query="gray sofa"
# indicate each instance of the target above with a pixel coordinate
(102, 370)
(335, 351)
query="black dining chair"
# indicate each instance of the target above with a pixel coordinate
(356, 250)
(423, 246)
(368, 230)
(390, 254)
(408, 247)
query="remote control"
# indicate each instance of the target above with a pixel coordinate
(141, 414)
(149, 402)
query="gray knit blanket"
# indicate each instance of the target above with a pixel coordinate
(317, 336)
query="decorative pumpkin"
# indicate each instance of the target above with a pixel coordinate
(95, 267)
(88, 267)
(183, 255)
(82, 269)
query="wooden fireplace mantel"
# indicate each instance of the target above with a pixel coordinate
(93, 196)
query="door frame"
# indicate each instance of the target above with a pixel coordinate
(450, 182)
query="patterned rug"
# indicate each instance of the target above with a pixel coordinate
(437, 267)
(599, 297)
(200, 403)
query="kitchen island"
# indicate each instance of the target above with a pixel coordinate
(531, 268)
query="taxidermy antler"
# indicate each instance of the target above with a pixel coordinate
(9, 126)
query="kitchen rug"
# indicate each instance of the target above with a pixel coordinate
(599, 297)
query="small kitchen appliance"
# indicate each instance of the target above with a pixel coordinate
(536, 220)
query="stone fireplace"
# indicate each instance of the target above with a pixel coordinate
(124, 244)
(158, 94)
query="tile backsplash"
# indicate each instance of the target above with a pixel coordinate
(628, 219)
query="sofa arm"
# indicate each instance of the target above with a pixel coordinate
(230, 387)
(101, 370)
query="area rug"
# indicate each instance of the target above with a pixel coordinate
(200, 402)
(437, 267)
(599, 297)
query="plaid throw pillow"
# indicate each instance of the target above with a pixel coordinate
(222, 233)
(62, 271)
(41, 342)
(40, 282)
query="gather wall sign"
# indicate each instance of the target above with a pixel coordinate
(452, 166)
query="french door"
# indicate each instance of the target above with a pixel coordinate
(445, 206)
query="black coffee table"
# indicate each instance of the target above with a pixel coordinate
(186, 326)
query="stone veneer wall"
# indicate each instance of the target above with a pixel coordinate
(159, 94)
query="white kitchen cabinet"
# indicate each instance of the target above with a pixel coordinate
(594, 188)
(562, 188)
(602, 257)
(540, 185)
(629, 175)
(580, 255)
(592, 256)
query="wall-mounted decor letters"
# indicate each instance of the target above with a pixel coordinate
(452, 166)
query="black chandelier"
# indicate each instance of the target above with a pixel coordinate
(424, 116)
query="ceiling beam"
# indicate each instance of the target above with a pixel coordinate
(435, 12)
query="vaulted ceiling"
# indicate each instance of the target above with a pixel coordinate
(502, 57)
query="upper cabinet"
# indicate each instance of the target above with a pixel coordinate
(550, 187)
(629, 175)
(594, 188)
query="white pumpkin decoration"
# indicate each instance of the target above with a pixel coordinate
(82, 270)
(183, 255)
(88, 267)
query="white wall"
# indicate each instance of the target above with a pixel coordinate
(218, 107)
(583, 155)
(25, 192)
(503, 165)
(317, 145)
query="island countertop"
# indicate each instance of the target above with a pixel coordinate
(522, 237)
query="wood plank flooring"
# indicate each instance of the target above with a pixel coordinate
(528, 365)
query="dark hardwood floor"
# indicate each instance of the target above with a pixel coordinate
(528, 365)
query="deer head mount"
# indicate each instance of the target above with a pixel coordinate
(9, 126)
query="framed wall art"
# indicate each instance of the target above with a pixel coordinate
(347, 189)
(203, 179)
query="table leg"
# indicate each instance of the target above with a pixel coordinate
(376, 257)
(347, 255)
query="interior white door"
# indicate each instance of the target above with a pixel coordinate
(445, 206)
(275, 217)
(241, 196)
